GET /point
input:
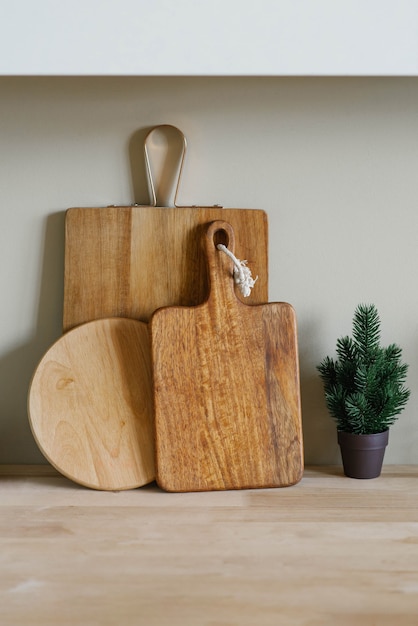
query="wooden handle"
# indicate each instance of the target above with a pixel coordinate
(220, 266)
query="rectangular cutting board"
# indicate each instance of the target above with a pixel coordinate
(226, 387)
(129, 261)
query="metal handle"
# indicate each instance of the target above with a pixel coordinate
(149, 172)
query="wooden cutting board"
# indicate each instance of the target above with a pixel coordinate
(129, 261)
(226, 387)
(90, 405)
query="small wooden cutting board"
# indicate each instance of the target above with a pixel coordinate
(129, 261)
(90, 405)
(226, 387)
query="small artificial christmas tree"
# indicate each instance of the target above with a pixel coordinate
(365, 386)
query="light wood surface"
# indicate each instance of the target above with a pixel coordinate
(226, 387)
(128, 261)
(328, 551)
(90, 405)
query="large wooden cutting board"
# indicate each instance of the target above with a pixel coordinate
(226, 387)
(129, 261)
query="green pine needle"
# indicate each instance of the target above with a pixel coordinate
(365, 386)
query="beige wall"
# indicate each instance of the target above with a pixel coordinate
(334, 163)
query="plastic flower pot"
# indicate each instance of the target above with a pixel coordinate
(362, 455)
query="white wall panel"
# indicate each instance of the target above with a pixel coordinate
(209, 37)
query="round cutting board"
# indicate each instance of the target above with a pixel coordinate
(90, 405)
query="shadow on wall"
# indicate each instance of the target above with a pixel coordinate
(16, 367)
(319, 432)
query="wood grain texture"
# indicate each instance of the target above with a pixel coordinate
(226, 387)
(330, 551)
(90, 405)
(129, 261)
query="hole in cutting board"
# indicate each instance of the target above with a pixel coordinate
(221, 236)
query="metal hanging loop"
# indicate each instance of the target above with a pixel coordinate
(180, 172)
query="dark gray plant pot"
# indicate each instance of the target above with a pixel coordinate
(362, 455)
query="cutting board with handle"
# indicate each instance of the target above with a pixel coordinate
(130, 260)
(226, 387)
(90, 405)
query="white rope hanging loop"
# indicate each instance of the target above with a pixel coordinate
(242, 273)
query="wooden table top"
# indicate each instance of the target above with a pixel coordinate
(328, 551)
